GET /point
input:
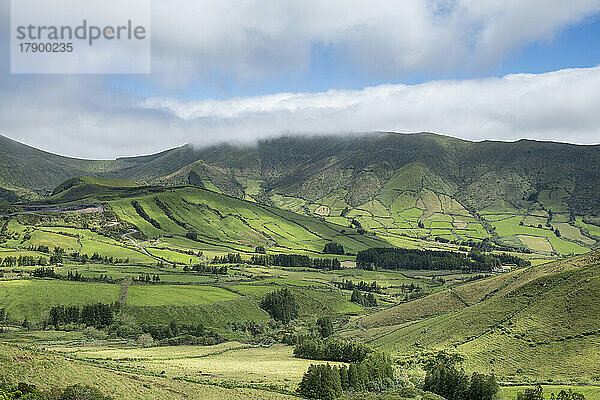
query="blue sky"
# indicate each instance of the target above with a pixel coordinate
(241, 71)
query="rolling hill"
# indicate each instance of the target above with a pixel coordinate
(510, 324)
(539, 196)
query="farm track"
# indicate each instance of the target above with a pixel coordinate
(124, 290)
(136, 244)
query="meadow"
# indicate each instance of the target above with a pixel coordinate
(507, 323)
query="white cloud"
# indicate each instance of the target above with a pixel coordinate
(555, 106)
(247, 41)
(560, 106)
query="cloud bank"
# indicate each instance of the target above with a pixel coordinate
(560, 106)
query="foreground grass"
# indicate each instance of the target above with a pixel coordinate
(590, 392)
(47, 370)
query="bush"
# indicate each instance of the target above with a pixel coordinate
(145, 340)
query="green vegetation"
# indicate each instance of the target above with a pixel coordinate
(403, 259)
(281, 305)
(177, 295)
(373, 374)
(193, 286)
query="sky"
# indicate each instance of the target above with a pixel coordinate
(243, 70)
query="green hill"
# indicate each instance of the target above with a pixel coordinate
(531, 195)
(540, 323)
(29, 173)
(227, 222)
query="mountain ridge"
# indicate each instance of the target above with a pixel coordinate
(526, 194)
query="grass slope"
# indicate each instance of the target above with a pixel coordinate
(541, 323)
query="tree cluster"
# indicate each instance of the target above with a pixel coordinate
(98, 258)
(295, 260)
(207, 269)
(366, 300)
(98, 315)
(23, 261)
(331, 350)
(40, 248)
(231, 258)
(44, 273)
(359, 229)
(445, 379)
(281, 305)
(187, 334)
(374, 374)
(406, 259)
(325, 326)
(537, 393)
(333, 248)
(147, 278)
(404, 288)
(347, 284)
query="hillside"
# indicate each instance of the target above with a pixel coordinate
(29, 173)
(541, 322)
(537, 196)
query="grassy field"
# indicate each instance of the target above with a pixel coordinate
(510, 324)
(31, 298)
(544, 313)
(176, 295)
(47, 370)
(274, 365)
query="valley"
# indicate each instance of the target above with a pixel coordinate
(148, 277)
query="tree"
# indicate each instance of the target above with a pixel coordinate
(325, 327)
(321, 382)
(281, 305)
(482, 387)
(535, 393)
(356, 296)
(370, 300)
(444, 379)
(192, 235)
